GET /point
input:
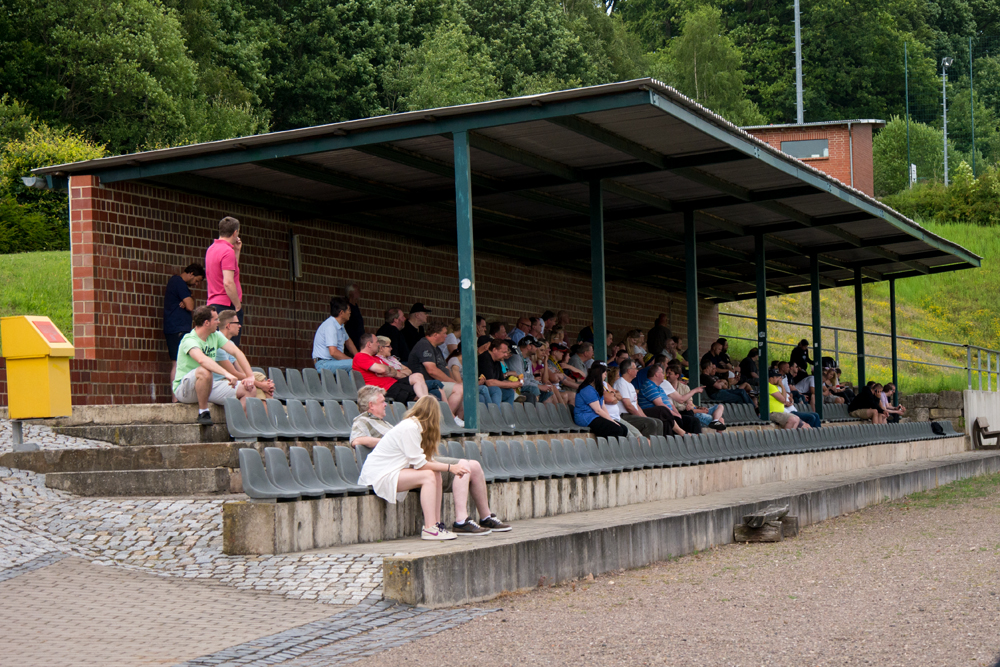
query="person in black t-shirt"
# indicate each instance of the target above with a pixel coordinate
(393, 330)
(413, 330)
(495, 388)
(177, 306)
(868, 404)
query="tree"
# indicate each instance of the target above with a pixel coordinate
(926, 151)
(706, 66)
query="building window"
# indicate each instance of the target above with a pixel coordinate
(807, 148)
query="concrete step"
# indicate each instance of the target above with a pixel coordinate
(560, 548)
(137, 435)
(136, 413)
(156, 457)
(177, 482)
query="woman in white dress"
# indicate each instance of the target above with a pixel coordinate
(406, 458)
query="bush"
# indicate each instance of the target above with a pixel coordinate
(967, 200)
(21, 230)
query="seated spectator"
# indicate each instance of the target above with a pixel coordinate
(673, 352)
(519, 364)
(548, 320)
(684, 404)
(718, 390)
(804, 385)
(787, 387)
(749, 371)
(658, 336)
(893, 413)
(454, 363)
(177, 306)
(631, 413)
(522, 328)
(867, 405)
(618, 358)
(563, 376)
(829, 382)
(778, 400)
(583, 357)
(586, 334)
(838, 388)
(535, 330)
(589, 407)
(395, 320)
(406, 458)
(193, 380)
(481, 334)
(229, 326)
(495, 331)
(370, 424)
(426, 359)
(720, 359)
(494, 386)
(454, 338)
(332, 347)
(556, 335)
(413, 330)
(613, 402)
(400, 385)
(655, 403)
(800, 357)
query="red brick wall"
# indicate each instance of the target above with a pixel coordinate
(838, 164)
(129, 238)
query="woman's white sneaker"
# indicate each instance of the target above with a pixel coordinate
(436, 534)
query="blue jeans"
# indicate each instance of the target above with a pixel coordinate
(434, 388)
(489, 394)
(810, 418)
(732, 396)
(531, 393)
(334, 364)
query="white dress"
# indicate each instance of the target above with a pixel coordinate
(398, 449)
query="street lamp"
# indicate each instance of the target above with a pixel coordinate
(945, 64)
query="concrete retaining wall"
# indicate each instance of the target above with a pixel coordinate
(266, 528)
(981, 404)
(931, 407)
(487, 569)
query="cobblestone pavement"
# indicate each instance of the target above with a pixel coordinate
(45, 438)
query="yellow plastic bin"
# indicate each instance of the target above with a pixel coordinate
(37, 357)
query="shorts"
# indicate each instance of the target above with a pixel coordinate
(780, 418)
(434, 387)
(401, 392)
(864, 413)
(447, 388)
(174, 342)
(221, 390)
(446, 477)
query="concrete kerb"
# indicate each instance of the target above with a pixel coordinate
(555, 550)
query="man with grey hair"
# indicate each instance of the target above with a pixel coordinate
(356, 325)
(395, 320)
(370, 425)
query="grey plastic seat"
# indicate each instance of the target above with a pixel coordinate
(507, 461)
(281, 390)
(500, 421)
(517, 413)
(304, 473)
(619, 454)
(490, 460)
(297, 417)
(257, 369)
(611, 463)
(471, 452)
(275, 416)
(448, 418)
(239, 426)
(314, 384)
(521, 460)
(563, 415)
(595, 456)
(348, 387)
(361, 453)
(544, 450)
(534, 460)
(485, 421)
(545, 418)
(346, 464)
(255, 482)
(532, 418)
(358, 379)
(329, 474)
(562, 460)
(332, 387)
(281, 475)
(334, 417)
(579, 454)
(350, 410)
(298, 385)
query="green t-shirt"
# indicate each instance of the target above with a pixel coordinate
(185, 364)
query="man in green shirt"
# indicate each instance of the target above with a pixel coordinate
(193, 382)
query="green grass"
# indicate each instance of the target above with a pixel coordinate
(956, 493)
(38, 283)
(960, 306)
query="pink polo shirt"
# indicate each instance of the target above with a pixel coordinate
(221, 257)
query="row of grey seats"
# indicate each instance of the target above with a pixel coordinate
(313, 384)
(744, 414)
(268, 419)
(517, 460)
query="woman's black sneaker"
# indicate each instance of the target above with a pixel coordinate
(717, 425)
(494, 524)
(469, 527)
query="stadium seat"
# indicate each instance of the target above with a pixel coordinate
(239, 426)
(329, 474)
(255, 482)
(280, 475)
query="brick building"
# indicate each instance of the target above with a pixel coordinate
(391, 203)
(841, 148)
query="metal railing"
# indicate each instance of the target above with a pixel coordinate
(992, 370)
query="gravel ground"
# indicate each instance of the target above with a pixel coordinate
(908, 583)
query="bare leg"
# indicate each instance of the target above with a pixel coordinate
(427, 481)
(202, 387)
(418, 384)
(173, 372)
(717, 414)
(455, 401)
(460, 493)
(478, 484)
(438, 494)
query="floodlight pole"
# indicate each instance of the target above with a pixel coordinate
(945, 64)
(799, 114)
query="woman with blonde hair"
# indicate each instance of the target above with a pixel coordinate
(406, 458)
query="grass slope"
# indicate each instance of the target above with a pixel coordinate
(38, 283)
(960, 307)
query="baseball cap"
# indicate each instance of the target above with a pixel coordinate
(774, 373)
(419, 308)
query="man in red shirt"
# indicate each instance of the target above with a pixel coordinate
(222, 271)
(398, 386)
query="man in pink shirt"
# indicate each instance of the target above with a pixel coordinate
(222, 271)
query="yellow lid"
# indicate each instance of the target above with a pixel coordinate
(31, 336)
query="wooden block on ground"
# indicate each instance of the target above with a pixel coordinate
(769, 513)
(769, 532)
(789, 526)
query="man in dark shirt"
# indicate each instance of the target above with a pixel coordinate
(656, 339)
(426, 358)
(413, 330)
(355, 326)
(748, 368)
(496, 389)
(868, 405)
(177, 306)
(393, 330)
(718, 389)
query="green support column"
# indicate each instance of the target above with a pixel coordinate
(691, 277)
(859, 324)
(762, 364)
(892, 333)
(599, 309)
(817, 322)
(466, 277)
